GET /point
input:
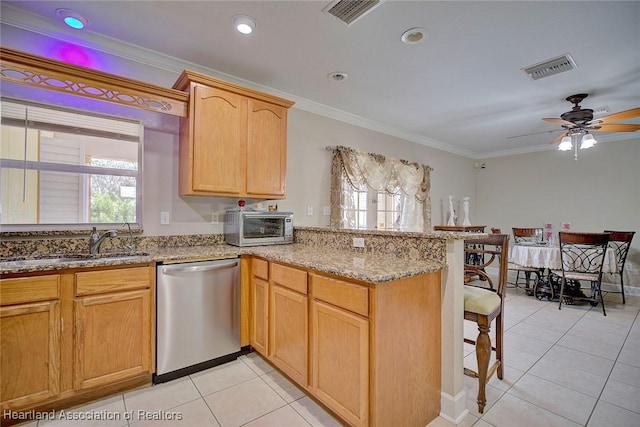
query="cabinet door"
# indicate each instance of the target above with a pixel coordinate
(259, 313)
(266, 149)
(340, 362)
(113, 338)
(30, 356)
(288, 333)
(219, 141)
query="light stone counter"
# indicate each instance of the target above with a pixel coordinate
(366, 267)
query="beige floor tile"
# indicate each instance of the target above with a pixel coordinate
(588, 362)
(221, 377)
(482, 423)
(285, 388)
(626, 374)
(555, 398)
(162, 396)
(237, 405)
(591, 346)
(256, 363)
(284, 416)
(571, 377)
(469, 420)
(623, 395)
(518, 359)
(109, 412)
(512, 411)
(509, 378)
(538, 331)
(630, 353)
(314, 414)
(608, 415)
(194, 413)
(527, 344)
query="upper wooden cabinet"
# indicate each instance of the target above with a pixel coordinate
(233, 142)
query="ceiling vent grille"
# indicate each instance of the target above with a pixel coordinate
(349, 11)
(550, 67)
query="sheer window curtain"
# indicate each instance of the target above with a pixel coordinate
(356, 170)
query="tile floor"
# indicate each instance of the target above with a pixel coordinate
(569, 367)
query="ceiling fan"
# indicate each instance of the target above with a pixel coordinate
(580, 121)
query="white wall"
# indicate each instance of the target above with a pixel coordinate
(599, 191)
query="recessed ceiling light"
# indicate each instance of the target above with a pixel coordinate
(337, 76)
(413, 35)
(244, 24)
(72, 18)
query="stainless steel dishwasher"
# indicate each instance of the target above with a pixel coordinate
(198, 316)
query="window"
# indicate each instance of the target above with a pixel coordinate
(64, 167)
(371, 191)
(370, 209)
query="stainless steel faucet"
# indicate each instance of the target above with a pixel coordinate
(95, 239)
(130, 247)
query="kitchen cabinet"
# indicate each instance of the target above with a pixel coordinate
(369, 352)
(30, 340)
(113, 326)
(233, 142)
(340, 345)
(289, 325)
(75, 334)
(259, 296)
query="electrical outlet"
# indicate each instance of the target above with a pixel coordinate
(164, 218)
(215, 218)
(358, 242)
(326, 211)
(309, 210)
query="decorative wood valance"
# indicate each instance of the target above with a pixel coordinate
(36, 71)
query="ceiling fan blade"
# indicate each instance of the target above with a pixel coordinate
(536, 133)
(559, 137)
(614, 128)
(559, 121)
(615, 117)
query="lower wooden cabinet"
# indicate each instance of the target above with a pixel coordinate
(113, 333)
(368, 352)
(340, 366)
(75, 334)
(30, 356)
(289, 332)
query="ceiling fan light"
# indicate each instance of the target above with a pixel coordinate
(565, 144)
(588, 141)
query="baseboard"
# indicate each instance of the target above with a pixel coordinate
(453, 409)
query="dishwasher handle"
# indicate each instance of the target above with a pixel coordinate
(174, 270)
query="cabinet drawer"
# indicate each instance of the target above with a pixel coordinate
(103, 281)
(342, 294)
(289, 277)
(260, 268)
(29, 289)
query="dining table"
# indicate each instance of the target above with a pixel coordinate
(546, 257)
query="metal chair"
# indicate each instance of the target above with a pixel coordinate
(620, 241)
(482, 305)
(525, 235)
(582, 257)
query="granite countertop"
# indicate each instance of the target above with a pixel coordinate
(345, 263)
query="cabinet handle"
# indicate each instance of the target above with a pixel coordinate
(62, 324)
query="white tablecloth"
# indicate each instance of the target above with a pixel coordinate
(549, 257)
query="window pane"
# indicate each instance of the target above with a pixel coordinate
(61, 166)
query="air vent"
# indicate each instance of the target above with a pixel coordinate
(349, 11)
(550, 67)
